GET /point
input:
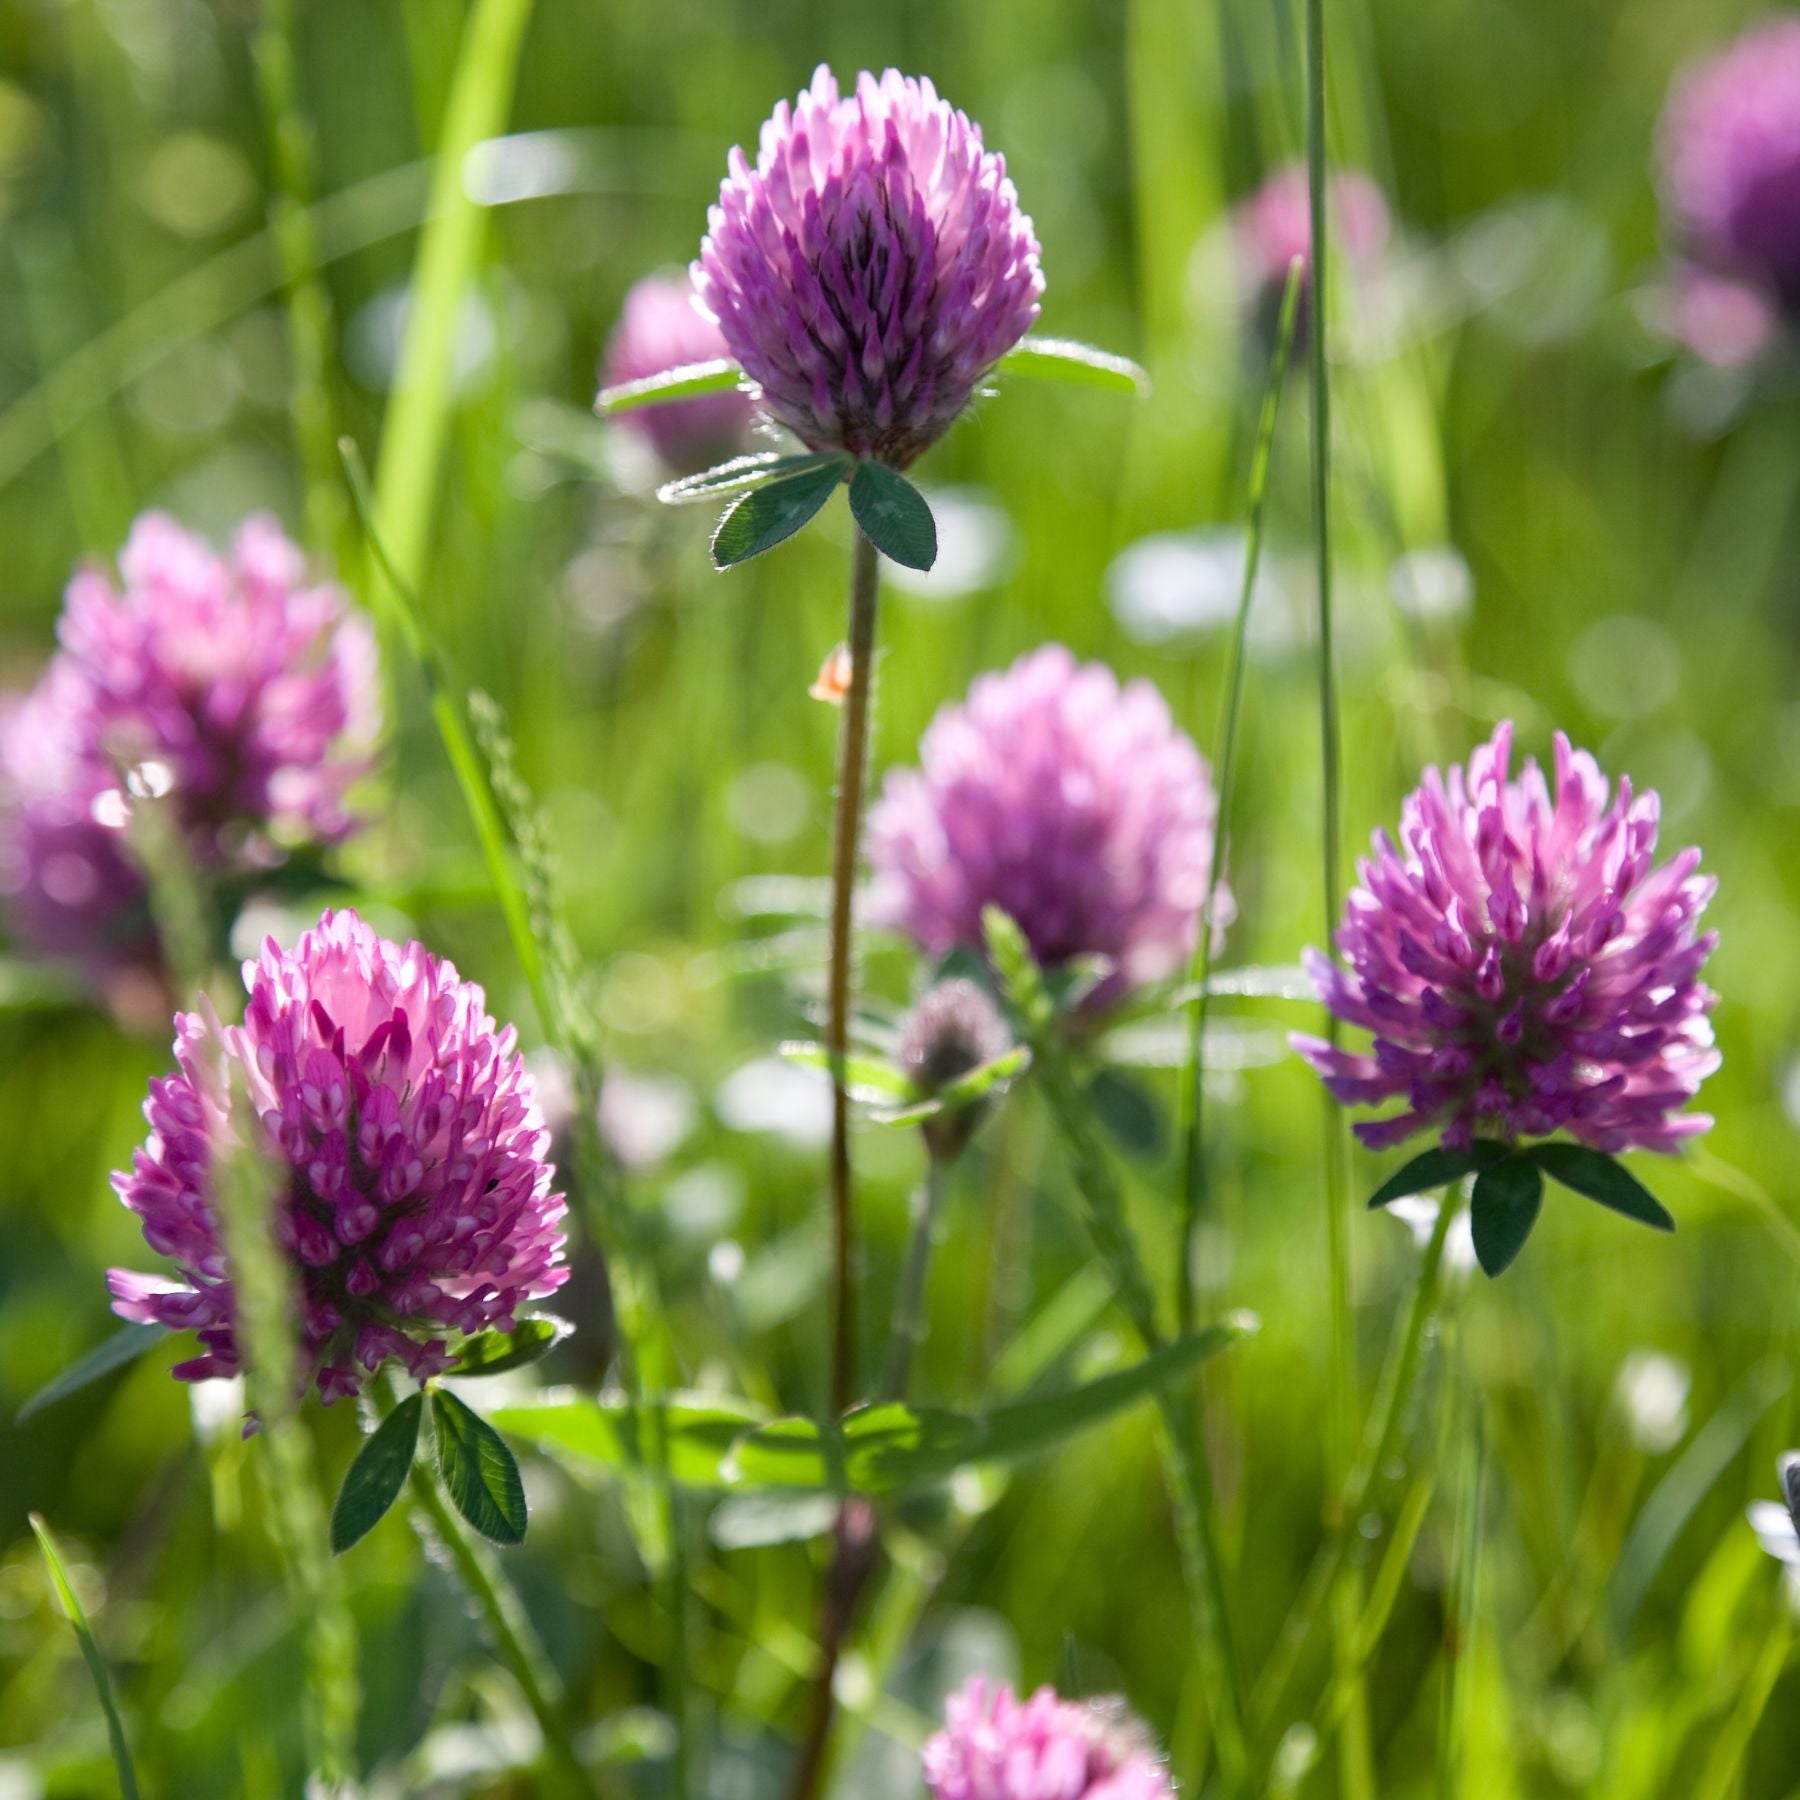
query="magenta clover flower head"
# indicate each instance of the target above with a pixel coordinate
(416, 1202)
(1071, 803)
(871, 268)
(995, 1746)
(246, 694)
(1730, 162)
(660, 328)
(1524, 964)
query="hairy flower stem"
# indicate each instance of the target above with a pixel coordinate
(1399, 1379)
(514, 1638)
(853, 757)
(909, 1302)
(854, 1542)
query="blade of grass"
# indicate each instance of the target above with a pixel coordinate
(211, 293)
(1353, 1758)
(1724, 1765)
(1459, 1627)
(1104, 1214)
(1193, 1162)
(1399, 1380)
(413, 433)
(401, 610)
(311, 347)
(76, 1614)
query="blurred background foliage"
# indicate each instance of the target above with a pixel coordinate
(1544, 512)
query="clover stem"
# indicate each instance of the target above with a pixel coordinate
(853, 756)
(909, 1302)
(854, 1540)
(503, 1613)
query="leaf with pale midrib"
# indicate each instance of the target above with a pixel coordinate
(479, 1472)
(893, 515)
(772, 513)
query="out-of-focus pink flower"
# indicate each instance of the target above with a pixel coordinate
(1524, 964)
(995, 1746)
(1727, 323)
(1274, 225)
(414, 1197)
(1075, 805)
(227, 683)
(1730, 163)
(871, 268)
(660, 329)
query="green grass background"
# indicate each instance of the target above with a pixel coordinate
(1630, 526)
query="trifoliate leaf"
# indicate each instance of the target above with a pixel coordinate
(1503, 1209)
(1435, 1169)
(893, 515)
(768, 514)
(1596, 1176)
(495, 1351)
(373, 1481)
(479, 1473)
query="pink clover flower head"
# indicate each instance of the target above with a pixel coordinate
(228, 683)
(994, 1746)
(1730, 161)
(871, 268)
(1524, 964)
(660, 328)
(415, 1199)
(1073, 803)
(71, 888)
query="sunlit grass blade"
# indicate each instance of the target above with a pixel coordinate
(1080, 365)
(1399, 1381)
(76, 1614)
(312, 349)
(413, 432)
(718, 376)
(465, 763)
(1731, 1745)
(1679, 1495)
(1460, 1633)
(1193, 1163)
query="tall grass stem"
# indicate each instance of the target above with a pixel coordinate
(1393, 1397)
(311, 346)
(417, 423)
(1193, 1158)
